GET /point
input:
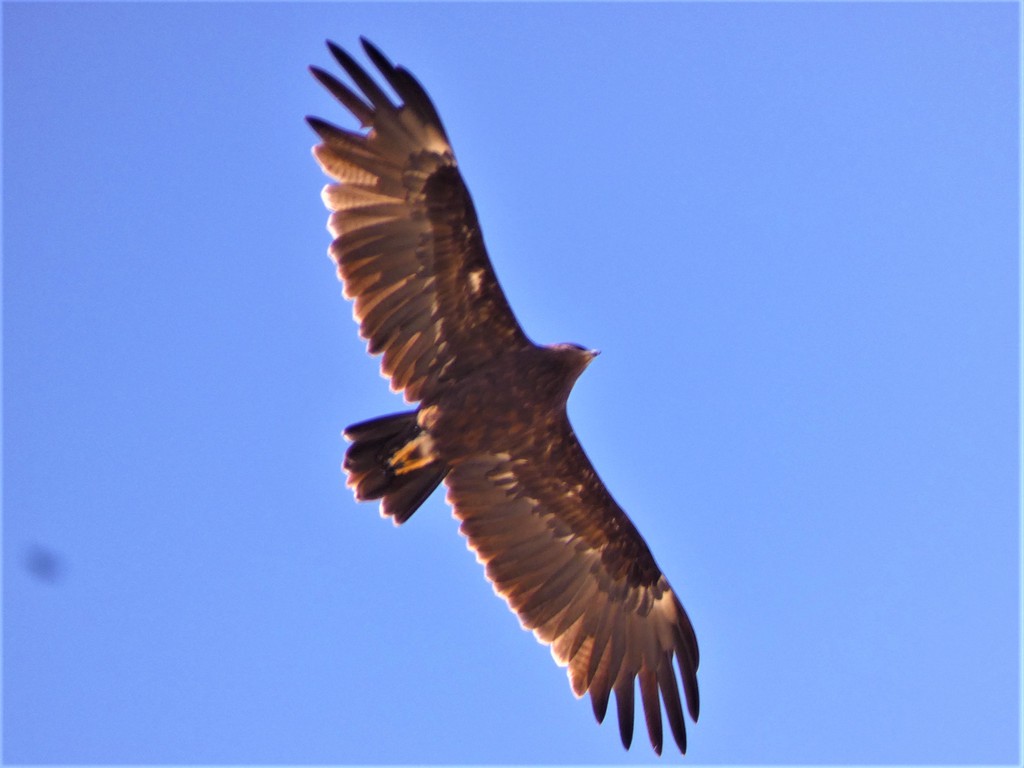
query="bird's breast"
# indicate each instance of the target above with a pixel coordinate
(492, 409)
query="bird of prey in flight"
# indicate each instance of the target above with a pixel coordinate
(490, 420)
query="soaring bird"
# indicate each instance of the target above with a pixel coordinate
(490, 420)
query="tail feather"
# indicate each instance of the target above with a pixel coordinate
(391, 458)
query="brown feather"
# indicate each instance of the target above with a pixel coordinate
(342, 93)
(613, 623)
(624, 691)
(652, 711)
(418, 220)
(361, 79)
(555, 545)
(673, 707)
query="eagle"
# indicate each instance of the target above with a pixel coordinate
(490, 421)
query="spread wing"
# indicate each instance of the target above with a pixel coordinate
(569, 562)
(407, 242)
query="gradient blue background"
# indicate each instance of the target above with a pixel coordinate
(792, 229)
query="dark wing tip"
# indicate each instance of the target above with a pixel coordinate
(341, 55)
(380, 61)
(599, 701)
(687, 659)
(624, 706)
(344, 58)
(408, 88)
(673, 706)
(336, 50)
(363, 81)
(322, 127)
(400, 79)
(652, 706)
(344, 94)
(692, 695)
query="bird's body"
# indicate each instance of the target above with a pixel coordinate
(491, 421)
(518, 397)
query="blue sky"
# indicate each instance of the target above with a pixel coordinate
(791, 229)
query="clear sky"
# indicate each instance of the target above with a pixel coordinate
(792, 230)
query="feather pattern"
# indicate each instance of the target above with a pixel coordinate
(492, 422)
(401, 212)
(577, 556)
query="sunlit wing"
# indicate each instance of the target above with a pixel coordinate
(575, 570)
(407, 242)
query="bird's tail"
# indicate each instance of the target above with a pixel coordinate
(392, 459)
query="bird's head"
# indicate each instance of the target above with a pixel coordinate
(574, 357)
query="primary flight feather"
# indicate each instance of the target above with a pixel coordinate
(491, 419)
